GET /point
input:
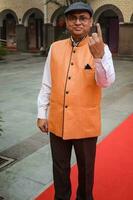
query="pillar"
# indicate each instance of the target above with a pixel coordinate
(126, 39)
(48, 34)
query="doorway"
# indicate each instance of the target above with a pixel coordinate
(109, 22)
(35, 31)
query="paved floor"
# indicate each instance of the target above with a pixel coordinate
(31, 169)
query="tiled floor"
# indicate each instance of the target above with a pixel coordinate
(20, 79)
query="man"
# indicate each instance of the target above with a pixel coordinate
(75, 71)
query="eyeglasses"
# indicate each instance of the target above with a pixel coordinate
(82, 19)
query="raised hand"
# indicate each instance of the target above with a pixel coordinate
(96, 43)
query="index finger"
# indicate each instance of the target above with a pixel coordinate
(99, 31)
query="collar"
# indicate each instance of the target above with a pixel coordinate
(82, 42)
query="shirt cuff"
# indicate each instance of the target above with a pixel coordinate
(102, 62)
(98, 60)
(42, 114)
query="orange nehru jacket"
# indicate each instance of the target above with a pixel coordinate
(75, 97)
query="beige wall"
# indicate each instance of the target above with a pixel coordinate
(21, 6)
(52, 8)
(126, 6)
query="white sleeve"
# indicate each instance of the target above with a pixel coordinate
(44, 94)
(105, 73)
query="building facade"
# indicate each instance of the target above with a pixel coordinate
(31, 24)
(21, 23)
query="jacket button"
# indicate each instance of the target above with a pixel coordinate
(74, 51)
(72, 63)
(69, 77)
(67, 92)
(66, 106)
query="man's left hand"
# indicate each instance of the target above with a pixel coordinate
(96, 43)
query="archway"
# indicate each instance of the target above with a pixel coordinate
(34, 19)
(109, 17)
(58, 21)
(8, 21)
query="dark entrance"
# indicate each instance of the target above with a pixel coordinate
(110, 27)
(9, 31)
(35, 31)
(60, 28)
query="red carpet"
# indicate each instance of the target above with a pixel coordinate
(114, 167)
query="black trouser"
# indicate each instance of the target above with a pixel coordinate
(85, 150)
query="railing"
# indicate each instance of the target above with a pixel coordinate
(3, 43)
(3, 48)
